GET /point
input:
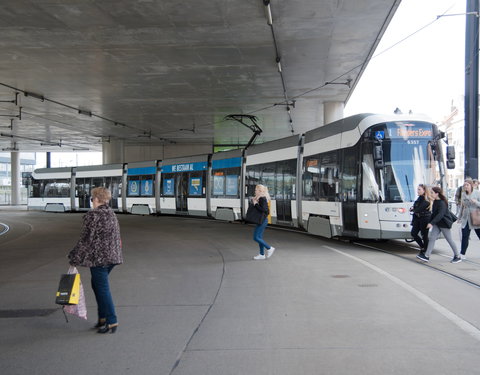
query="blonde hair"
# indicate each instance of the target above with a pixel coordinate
(102, 194)
(427, 194)
(262, 191)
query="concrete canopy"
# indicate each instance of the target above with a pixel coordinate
(153, 72)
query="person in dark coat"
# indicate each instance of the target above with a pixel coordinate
(260, 201)
(440, 222)
(99, 248)
(421, 212)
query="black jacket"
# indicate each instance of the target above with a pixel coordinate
(439, 210)
(421, 209)
(262, 206)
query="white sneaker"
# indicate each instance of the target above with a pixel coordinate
(270, 252)
(463, 257)
(259, 257)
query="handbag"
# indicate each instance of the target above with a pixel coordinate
(449, 218)
(475, 217)
(254, 216)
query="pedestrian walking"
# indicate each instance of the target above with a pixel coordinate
(470, 204)
(440, 222)
(99, 248)
(421, 212)
(260, 202)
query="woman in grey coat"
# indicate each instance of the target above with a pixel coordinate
(470, 201)
(100, 249)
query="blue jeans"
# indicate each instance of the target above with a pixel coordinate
(466, 237)
(258, 236)
(101, 288)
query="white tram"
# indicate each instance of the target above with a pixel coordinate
(355, 177)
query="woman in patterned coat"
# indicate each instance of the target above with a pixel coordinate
(100, 249)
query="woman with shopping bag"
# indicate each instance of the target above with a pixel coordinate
(99, 248)
(469, 216)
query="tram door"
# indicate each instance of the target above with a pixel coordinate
(112, 183)
(181, 192)
(284, 192)
(83, 192)
(349, 191)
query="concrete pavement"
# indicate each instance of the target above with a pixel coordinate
(191, 301)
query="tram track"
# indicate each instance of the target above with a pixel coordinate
(428, 265)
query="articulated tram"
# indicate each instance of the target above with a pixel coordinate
(355, 177)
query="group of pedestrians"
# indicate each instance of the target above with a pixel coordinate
(432, 217)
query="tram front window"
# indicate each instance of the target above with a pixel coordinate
(408, 163)
(408, 158)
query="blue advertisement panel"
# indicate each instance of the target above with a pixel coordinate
(147, 188)
(141, 171)
(218, 185)
(168, 186)
(185, 167)
(227, 163)
(134, 188)
(195, 186)
(232, 185)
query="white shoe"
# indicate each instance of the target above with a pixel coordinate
(463, 257)
(270, 252)
(259, 257)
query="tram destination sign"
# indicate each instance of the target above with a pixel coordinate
(404, 130)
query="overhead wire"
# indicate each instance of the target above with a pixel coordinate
(286, 101)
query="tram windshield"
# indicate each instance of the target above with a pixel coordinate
(409, 158)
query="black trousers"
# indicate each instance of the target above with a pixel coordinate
(419, 225)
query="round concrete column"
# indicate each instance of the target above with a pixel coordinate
(332, 111)
(16, 178)
(113, 152)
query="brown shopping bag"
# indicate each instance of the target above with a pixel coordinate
(70, 294)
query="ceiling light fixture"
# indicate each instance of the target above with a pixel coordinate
(84, 112)
(36, 96)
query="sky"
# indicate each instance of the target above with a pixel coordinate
(423, 73)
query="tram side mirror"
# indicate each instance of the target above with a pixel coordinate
(378, 156)
(450, 157)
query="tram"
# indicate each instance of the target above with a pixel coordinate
(355, 177)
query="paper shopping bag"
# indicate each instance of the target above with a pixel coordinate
(68, 289)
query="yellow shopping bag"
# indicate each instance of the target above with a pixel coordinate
(68, 289)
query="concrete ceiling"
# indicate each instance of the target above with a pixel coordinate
(162, 71)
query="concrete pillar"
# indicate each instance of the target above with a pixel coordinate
(332, 111)
(16, 178)
(113, 151)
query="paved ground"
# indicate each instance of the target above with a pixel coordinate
(191, 301)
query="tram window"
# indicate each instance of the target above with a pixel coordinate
(195, 186)
(218, 184)
(252, 179)
(168, 184)
(370, 189)
(57, 188)
(349, 176)
(147, 186)
(311, 178)
(231, 187)
(37, 188)
(133, 184)
(225, 182)
(268, 178)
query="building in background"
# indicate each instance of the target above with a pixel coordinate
(27, 165)
(454, 126)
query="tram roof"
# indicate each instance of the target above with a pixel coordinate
(162, 72)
